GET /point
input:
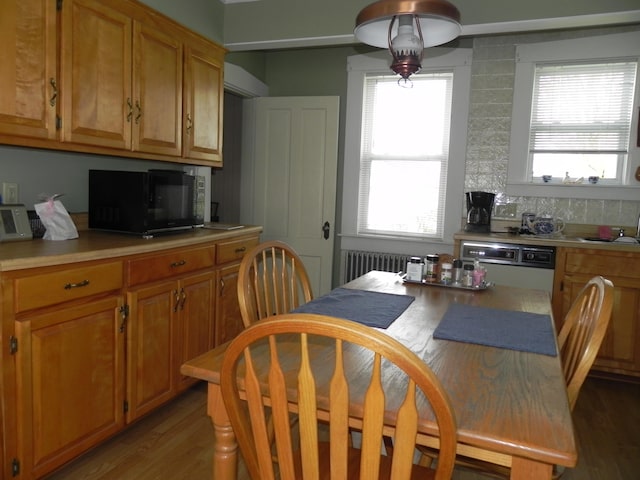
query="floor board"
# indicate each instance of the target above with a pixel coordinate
(175, 442)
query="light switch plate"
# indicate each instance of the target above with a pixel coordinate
(9, 193)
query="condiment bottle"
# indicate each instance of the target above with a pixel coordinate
(446, 273)
(457, 272)
(415, 268)
(431, 268)
(467, 275)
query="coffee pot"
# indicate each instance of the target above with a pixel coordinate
(545, 225)
(479, 206)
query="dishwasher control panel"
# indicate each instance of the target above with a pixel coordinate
(509, 254)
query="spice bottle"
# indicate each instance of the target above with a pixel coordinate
(431, 268)
(467, 275)
(414, 269)
(456, 276)
(446, 273)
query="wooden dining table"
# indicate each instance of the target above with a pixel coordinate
(511, 406)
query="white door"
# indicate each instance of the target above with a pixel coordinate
(291, 177)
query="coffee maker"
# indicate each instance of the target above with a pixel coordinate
(479, 206)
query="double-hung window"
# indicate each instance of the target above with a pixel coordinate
(405, 150)
(404, 155)
(581, 119)
(575, 117)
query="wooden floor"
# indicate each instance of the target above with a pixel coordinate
(176, 441)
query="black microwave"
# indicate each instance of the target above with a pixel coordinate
(145, 203)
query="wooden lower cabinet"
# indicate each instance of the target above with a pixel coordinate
(229, 322)
(620, 350)
(70, 395)
(93, 346)
(229, 254)
(169, 323)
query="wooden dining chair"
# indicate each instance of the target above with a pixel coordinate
(582, 332)
(272, 280)
(579, 340)
(343, 377)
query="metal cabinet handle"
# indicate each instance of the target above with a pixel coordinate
(241, 250)
(189, 123)
(130, 112)
(54, 96)
(139, 111)
(183, 296)
(179, 263)
(176, 298)
(83, 283)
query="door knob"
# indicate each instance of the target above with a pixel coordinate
(326, 229)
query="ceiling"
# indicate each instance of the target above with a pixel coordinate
(273, 24)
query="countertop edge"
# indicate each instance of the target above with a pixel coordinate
(556, 241)
(95, 245)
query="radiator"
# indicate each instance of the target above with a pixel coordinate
(356, 263)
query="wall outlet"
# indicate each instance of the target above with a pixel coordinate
(9, 192)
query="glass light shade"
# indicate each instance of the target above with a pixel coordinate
(406, 48)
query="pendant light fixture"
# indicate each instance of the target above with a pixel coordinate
(406, 27)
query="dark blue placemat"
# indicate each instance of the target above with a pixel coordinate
(374, 309)
(524, 331)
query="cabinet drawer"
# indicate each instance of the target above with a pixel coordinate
(234, 250)
(69, 284)
(169, 264)
(590, 262)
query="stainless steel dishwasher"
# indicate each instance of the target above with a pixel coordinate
(516, 265)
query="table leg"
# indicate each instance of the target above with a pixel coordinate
(524, 469)
(225, 449)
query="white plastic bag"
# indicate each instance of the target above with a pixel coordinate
(56, 220)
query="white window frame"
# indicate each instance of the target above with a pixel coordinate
(378, 62)
(624, 46)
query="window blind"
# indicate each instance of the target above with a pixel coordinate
(404, 155)
(582, 108)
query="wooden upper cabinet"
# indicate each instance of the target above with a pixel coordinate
(96, 47)
(131, 81)
(28, 84)
(203, 91)
(122, 79)
(157, 87)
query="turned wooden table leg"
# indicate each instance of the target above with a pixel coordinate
(225, 449)
(522, 469)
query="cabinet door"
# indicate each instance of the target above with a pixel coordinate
(196, 318)
(228, 319)
(157, 92)
(151, 355)
(70, 365)
(203, 106)
(28, 83)
(97, 106)
(620, 349)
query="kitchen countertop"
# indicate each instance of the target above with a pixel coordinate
(555, 240)
(97, 245)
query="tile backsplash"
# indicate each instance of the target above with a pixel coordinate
(489, 127)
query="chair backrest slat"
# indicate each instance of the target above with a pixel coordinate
(339, 402)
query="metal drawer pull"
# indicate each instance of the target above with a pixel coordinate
(241, 249)
(83, 283)
(178, 264)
